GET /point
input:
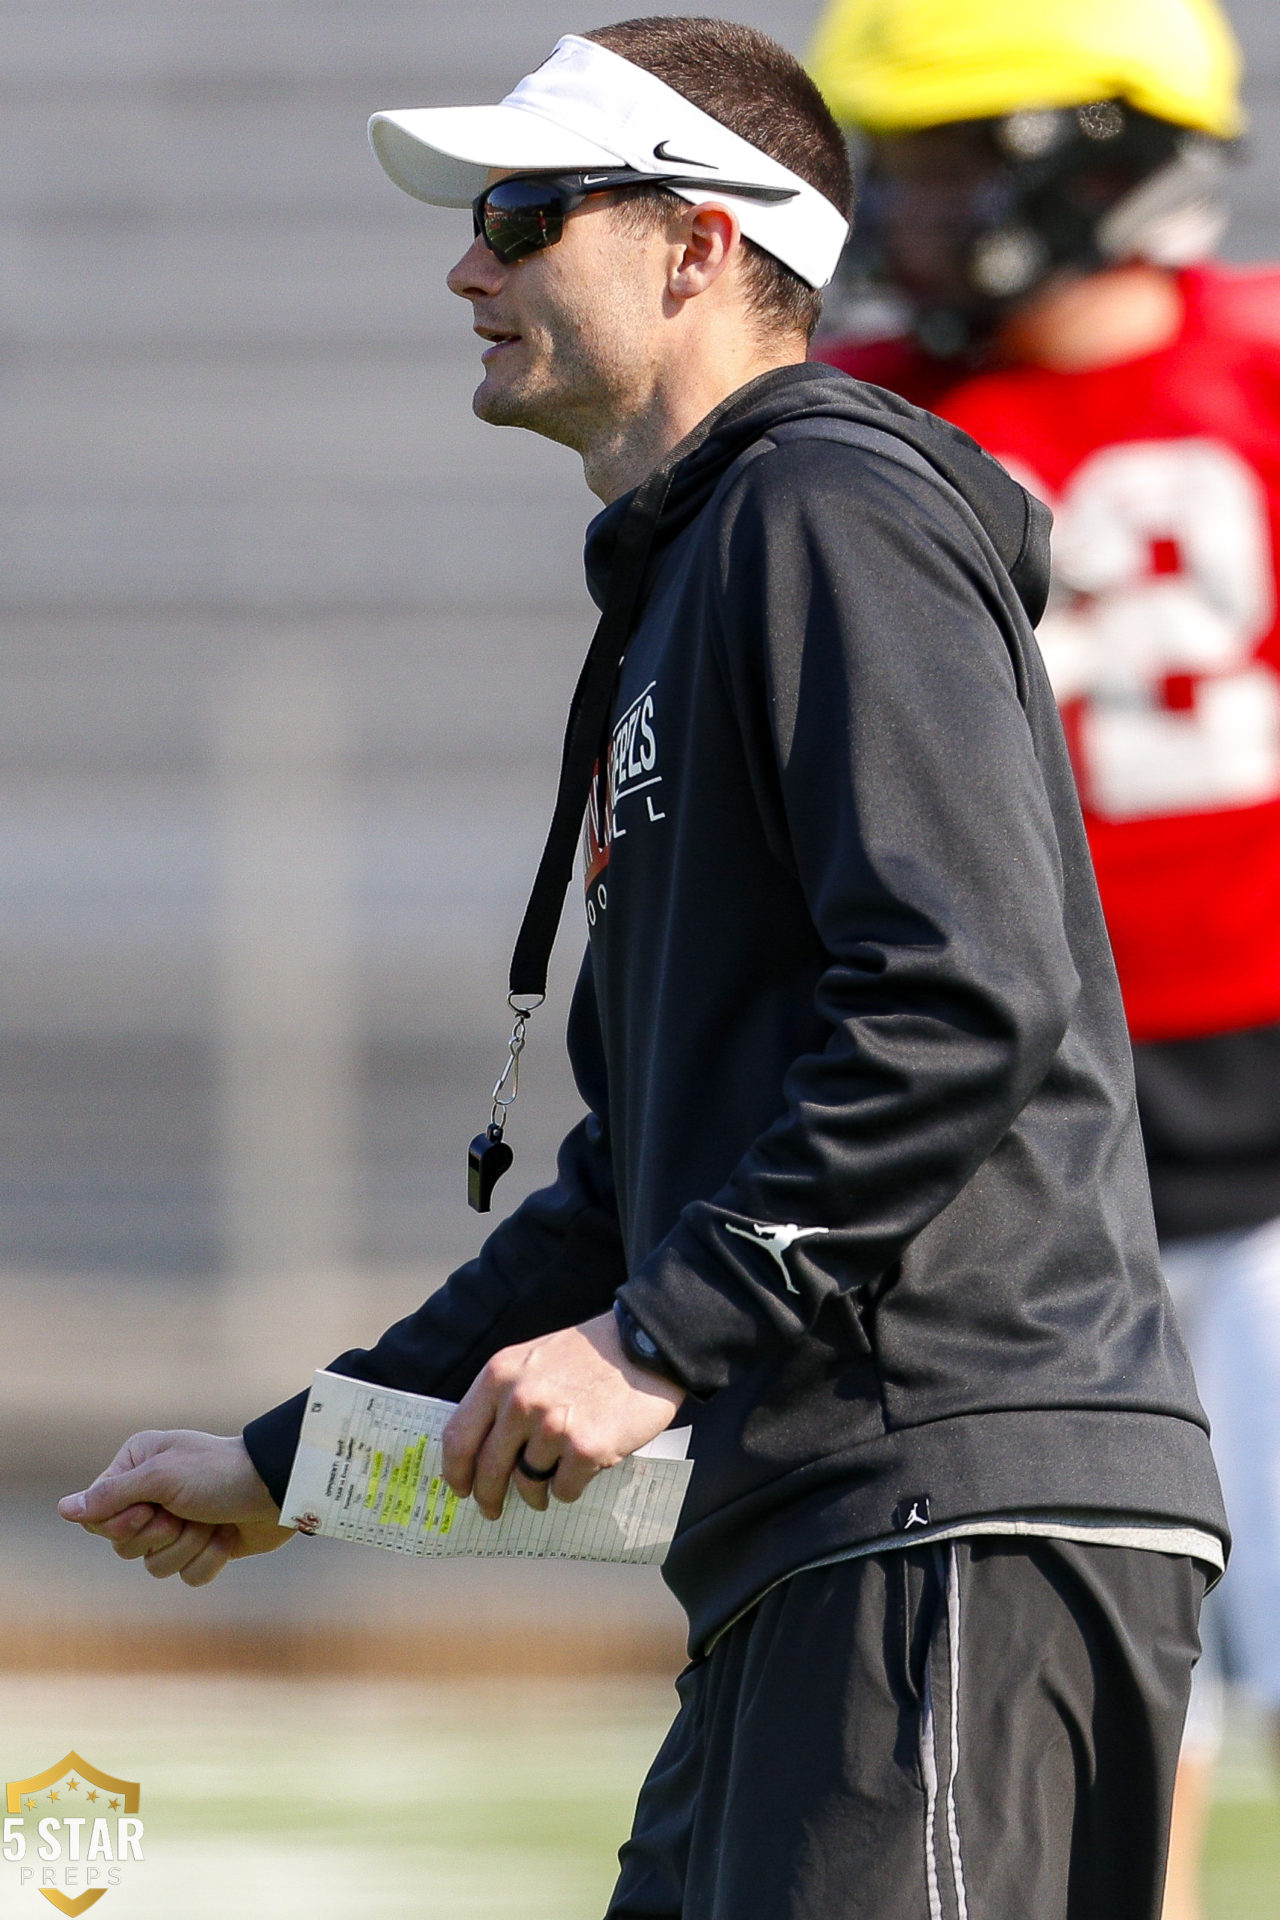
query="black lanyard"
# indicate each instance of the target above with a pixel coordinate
(489, 1156)
(587, 725)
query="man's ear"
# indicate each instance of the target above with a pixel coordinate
(709, 241)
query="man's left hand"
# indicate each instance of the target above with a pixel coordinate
(570, 1400)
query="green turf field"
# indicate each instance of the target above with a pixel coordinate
(1242, 1868)
(487, 1803)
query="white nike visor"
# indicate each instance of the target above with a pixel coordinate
(587, 108)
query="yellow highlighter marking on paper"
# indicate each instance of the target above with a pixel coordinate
(391, 1498)
(375, 1480)
(411, 1474)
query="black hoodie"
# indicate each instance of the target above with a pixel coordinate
(862, 1153)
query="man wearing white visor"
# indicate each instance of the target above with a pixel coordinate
(859, 1195)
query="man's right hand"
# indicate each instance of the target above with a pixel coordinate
(182, 1503)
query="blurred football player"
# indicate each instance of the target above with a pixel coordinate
(1042, 191)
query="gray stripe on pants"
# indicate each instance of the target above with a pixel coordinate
(943, 1871)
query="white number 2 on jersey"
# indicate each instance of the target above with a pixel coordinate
(1162, 590)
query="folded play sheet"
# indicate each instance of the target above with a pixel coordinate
(368, 1468)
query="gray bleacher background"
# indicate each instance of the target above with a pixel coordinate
(287, 639)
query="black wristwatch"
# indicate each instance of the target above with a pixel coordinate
(639, 1345)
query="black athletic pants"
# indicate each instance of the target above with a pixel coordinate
(985, 1729)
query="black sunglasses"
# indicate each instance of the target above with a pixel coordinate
(526, 212)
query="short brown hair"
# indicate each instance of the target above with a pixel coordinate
(759, 91)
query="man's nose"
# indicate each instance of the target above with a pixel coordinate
(478, 273)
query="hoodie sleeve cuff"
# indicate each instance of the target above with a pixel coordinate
(271, 1442)
(706, 1324)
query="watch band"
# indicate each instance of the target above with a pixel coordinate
(639, 1345)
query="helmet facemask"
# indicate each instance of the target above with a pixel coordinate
(970, 219)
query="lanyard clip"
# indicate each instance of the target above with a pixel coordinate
(489, 1156)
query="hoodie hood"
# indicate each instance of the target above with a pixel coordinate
(1016, 523)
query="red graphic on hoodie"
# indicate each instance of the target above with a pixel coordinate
(597, 832)
(631, 770)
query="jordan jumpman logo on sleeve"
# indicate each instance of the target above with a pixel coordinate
(777, 1240)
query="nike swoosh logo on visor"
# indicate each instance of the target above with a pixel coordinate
(681, 159)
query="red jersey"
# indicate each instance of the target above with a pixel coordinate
(1161, 636)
